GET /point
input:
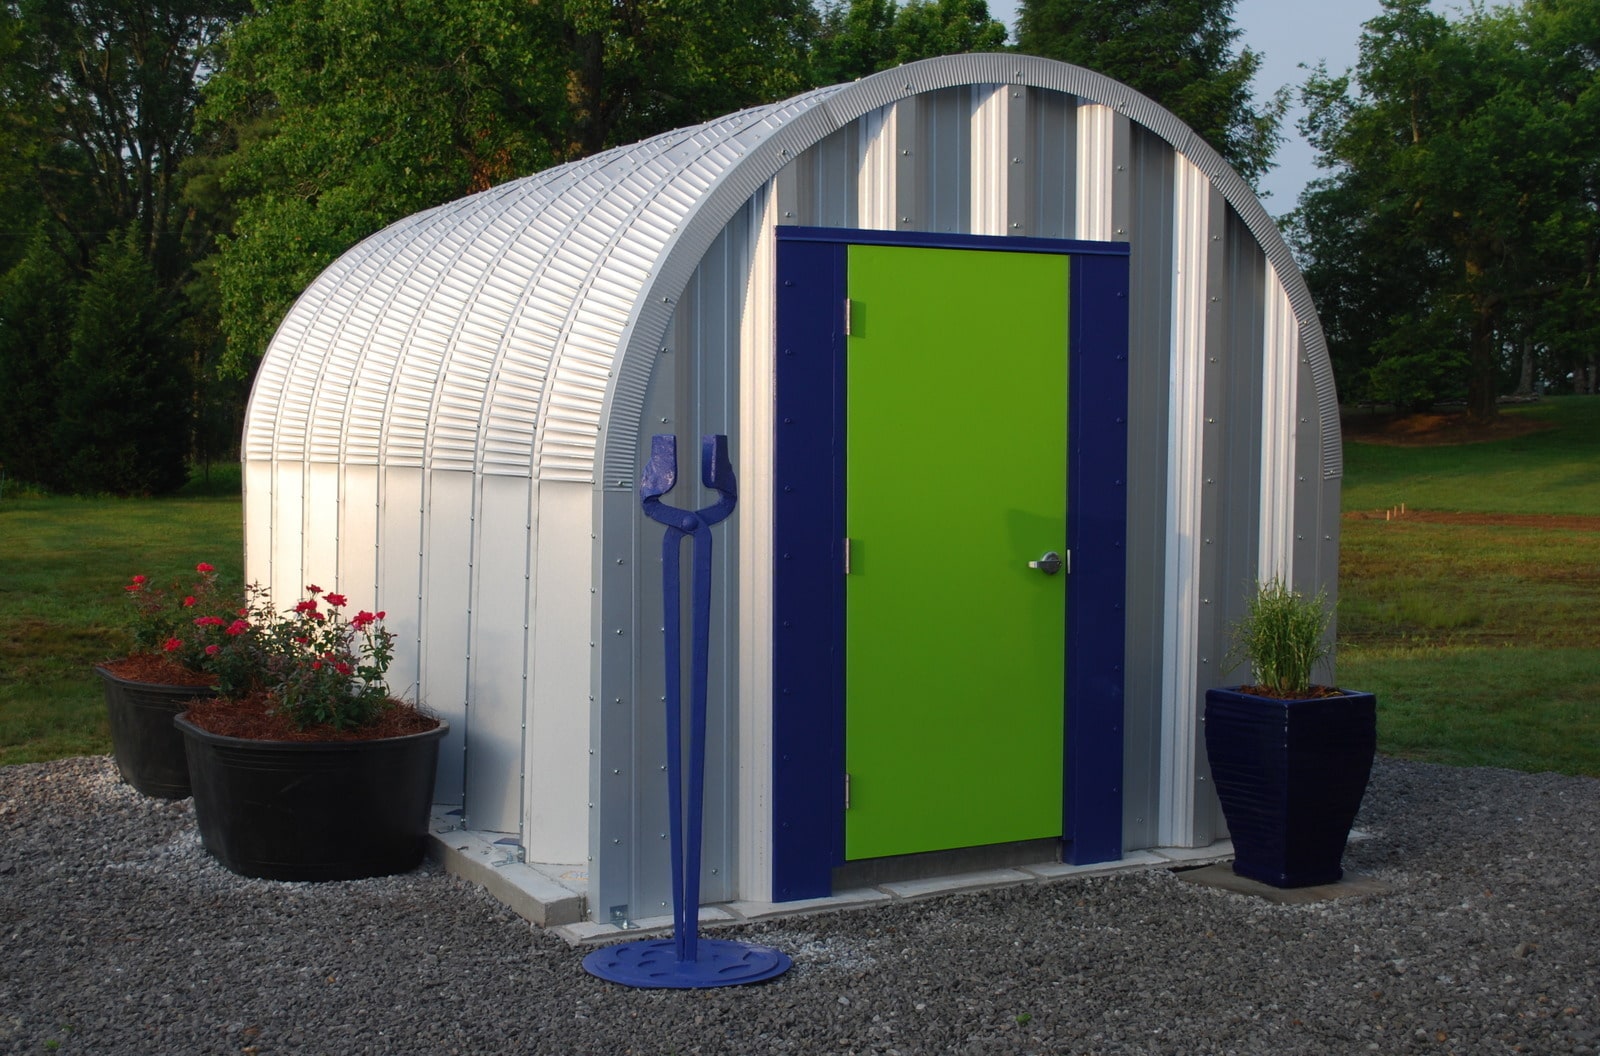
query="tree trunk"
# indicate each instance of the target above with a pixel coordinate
(1482, 373)
(1525, 382)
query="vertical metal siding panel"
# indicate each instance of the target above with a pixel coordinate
(321, 549)
(990, 158)
(757, 359)
(288, 532)
(358, 537)
(613, 873)
(1097, 161)
(1019, 160)
(400, 520)
(877, 206)
(1209, 632)
(725, 268)
(556, 823)
(259, 481)
(499, 639)
(1281, 356)
(1149, 364)
(1185, 499)
(944, 131)
(909, 170)
(826, 182)
(446, 574)
(1308, 516)
(1238, 533)
(1052, 153)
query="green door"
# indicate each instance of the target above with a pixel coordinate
(956, 478)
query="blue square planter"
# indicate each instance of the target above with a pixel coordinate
(1290, 775)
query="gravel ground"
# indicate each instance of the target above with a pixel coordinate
(119, 935)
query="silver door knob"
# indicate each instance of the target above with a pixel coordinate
(1049, 564)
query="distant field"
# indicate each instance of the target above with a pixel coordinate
(1482, 640)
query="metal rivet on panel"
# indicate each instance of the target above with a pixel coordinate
(619, 560)
(619, 632)
(905, 153)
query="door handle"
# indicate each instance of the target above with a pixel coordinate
(1049, 564)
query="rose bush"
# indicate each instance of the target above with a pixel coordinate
(186, 624)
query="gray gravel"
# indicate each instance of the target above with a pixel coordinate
(119, 935)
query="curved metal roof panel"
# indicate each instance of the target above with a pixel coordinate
(499, 333)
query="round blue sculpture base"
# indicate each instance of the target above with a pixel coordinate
(654, 964)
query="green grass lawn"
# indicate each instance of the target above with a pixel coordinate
(63, 563)
(1481, 641)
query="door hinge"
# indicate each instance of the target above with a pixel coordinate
(847, 555)
(846, 791)
(847, 317)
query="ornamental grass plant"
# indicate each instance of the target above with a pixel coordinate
(1282, 636)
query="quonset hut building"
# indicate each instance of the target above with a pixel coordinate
(954, 318)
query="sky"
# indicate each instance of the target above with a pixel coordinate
(1286, 33)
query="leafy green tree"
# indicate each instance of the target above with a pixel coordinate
(1460, 215)
(341, 116)
(859, 37)
(125, 411)
(1178, 52)
(36, 311)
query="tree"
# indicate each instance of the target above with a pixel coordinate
(125, 413)
(860, 37)
(36, 310)
(1179, 53)
(1460, 215)
(342, 116)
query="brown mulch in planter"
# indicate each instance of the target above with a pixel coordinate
(157, 670)
(1315, 692)
(253, 718)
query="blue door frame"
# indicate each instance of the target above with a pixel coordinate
(808, 589)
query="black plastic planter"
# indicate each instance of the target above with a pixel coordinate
(1290, 775)
(148, 750)
(319, 810)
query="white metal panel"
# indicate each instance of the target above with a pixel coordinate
(399, 559)
(288, 532)
(320, 553)
(991, 158)
(1280, 372)
(446, 597)
(556, 828)
(1096, 220)
(758, 442)
(258, 528)
(501, 619)
(358, 538)
(876, 179)
(1186, 430)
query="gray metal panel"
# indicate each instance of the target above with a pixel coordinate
(825, 183)
(1150, 168)
(1053, 167)
(945, 135)
(1328, 565)
(1309, 514)
(1237, 541)
(614, 784)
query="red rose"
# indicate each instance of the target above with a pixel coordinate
(336, 600)
(213, 650)
(342, 667)
(313, 589)
(306, 606)
(189, 601)
(139, 580)
(203, 567)
(237, 627)
(173, 644)
(381, 614)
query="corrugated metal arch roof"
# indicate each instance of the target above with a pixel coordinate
(501, 332)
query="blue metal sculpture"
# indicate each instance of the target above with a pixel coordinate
(686, 961)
